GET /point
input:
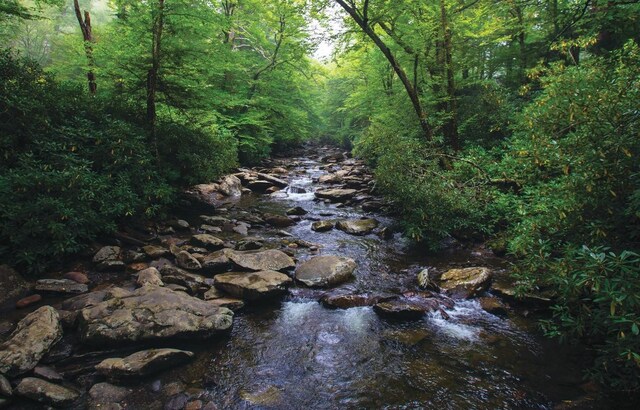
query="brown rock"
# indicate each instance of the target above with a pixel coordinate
(28, 301)
(78, 277)
(253, 285)
(325, 271)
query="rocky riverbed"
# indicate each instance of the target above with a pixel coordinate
(283, 286)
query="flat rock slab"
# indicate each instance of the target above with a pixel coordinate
(347, 301)
(31, 340)
(465, 283)
(253, 285)
(271, 259)
(336, 195)
(406, 308)
(207, 241)
(357, 226)
(143, 363)
(325, 271)
(62, 286)
(45, 392)
(151, 313)
(109, 258)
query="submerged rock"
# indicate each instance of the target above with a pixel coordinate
(104, 394)
(322, 226)
(143, 363)
(45, 392)
(271, 259)
(253, 285)
(149, 276)
(325, 271)
(357, 226)
(151, 313)
(32, 339)
(465, 283)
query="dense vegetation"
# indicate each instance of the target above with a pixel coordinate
(515, 122)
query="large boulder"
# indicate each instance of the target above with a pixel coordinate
(406, 308)
(143, 363)
(253, 285)
(230, 185)
(187, 261)
(12, 284)
(322, 226)
(45, 392)
(351, 300)
(325, 271)
(151, 313)
(31, 340)
(109, 258)
(336, 195)
(465, 283)
(149, 277)
(357, 226)
(278, 221)
(271, 259)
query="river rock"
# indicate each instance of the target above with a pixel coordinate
(46, 392)
(253, 285)
(322, 226)
(190, 281)
(298, 211)
(259, 186)
(30, 341)
(278, 221)
(325, 271)
(207, 241)
(216, 262)
(187, 261)
(230, 185)
(103, 394)
(143, 363)
(465, 283)
(357, 226)
(5, 387)
(28, 301)
(406, 308)
(47, 373)
(155, 252)
(62, 286)
(425, 281)
(149, 277)
(229, 303)
(271, 259)
(77, 277)
(249, 244)
(151, 313)
(217, 221)
(493, 305)
(109, 258)
(347, 301)
(12, 284)
(336, 195)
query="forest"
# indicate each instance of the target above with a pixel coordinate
(512, 124)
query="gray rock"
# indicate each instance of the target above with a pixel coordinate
(336, 195)
(5, 387)
(210, 229)
(404, 308)
(357, 226)
(109, 258)
(280, 183)
(229, 303)
(271, 259)
(465, 283)
(217, 221)
(230, 185)
(155, 252)
(207, 241)
(217, 262)
(298, 210)
(47, 373)
(149, 277)
(278, 221)
(106, 393)
(241, 228)
(325, 271)
(322, 226)
(253, 285)
(192, 282)
(12, 284)
(46, 392)
(62, 286)
(187, 261)
(151, 313)
(143, 363)
(30, 341)
(249, 244)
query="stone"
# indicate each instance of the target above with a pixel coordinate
(212, 294)
(298, 210)
(216, 221)
(62, 286)
(372, 206)
(187, 261)
(210, 229)
(180, 224)
(253, 285)
(207, 241)
(357, 226)
(143, 363)
(271, 259)
(230, 303)
(425, 281)
(109, 258)
(325, 271)
(12, 284)
(268, 397)
(259, 186)
(322, 226)
(5, 387)
(47, 373)
(249, 244)
(280, 183)
(155, 252)
(78, 277)
(465, 283)
(230, 185)
(406, 308)
(149, 277)
(336, 195)
(190, 281)
(28, 301)
(347, 301)
(151, 313)
(493, 305)
(105, 393)
(30, 341)
(137, 267)
(278, 221)
(241, 228)
(46, 392)
(216, 262)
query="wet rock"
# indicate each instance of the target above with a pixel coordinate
(103, 394)
(253, 285)
(241, 228)
(217, 221)
(409, 337)
(5, 387)
(249, 244)
(278, 221)
(216, 262)
(109, 258)
(149, 277)
(404, 308)
(12, 284)
(213, 293)
(28, 301)
(322, 226)
(280, 183)
(210, 229)
(47, 373)
(179, 224)
(68, 320)
(347, 301)
(151, 313)
(336, 195)
(385, 233)
(190, 281)
(177, 402)
(187, 261)
(425, 281)
(259, 186)
(30, 341)
(493, 306)
(155, 252)
(325, 271)
(229, 303)
(268, 397)
(207, 241)
(372, 206)
(465, 283)
(298, 210)
(357, 226)
(230, 185)
(508, 292)
(77, 277)
(137, 267)
(271, 259)
(46, 392)
(133, 257)
(143, 363)
(63, 286)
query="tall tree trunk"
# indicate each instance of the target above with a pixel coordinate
(153, 73)
(450, 128)
(362, 21)
(87, 35)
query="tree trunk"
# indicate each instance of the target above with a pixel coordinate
(362, 20)
(87, 35)
(153, 73)
(450, 128)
